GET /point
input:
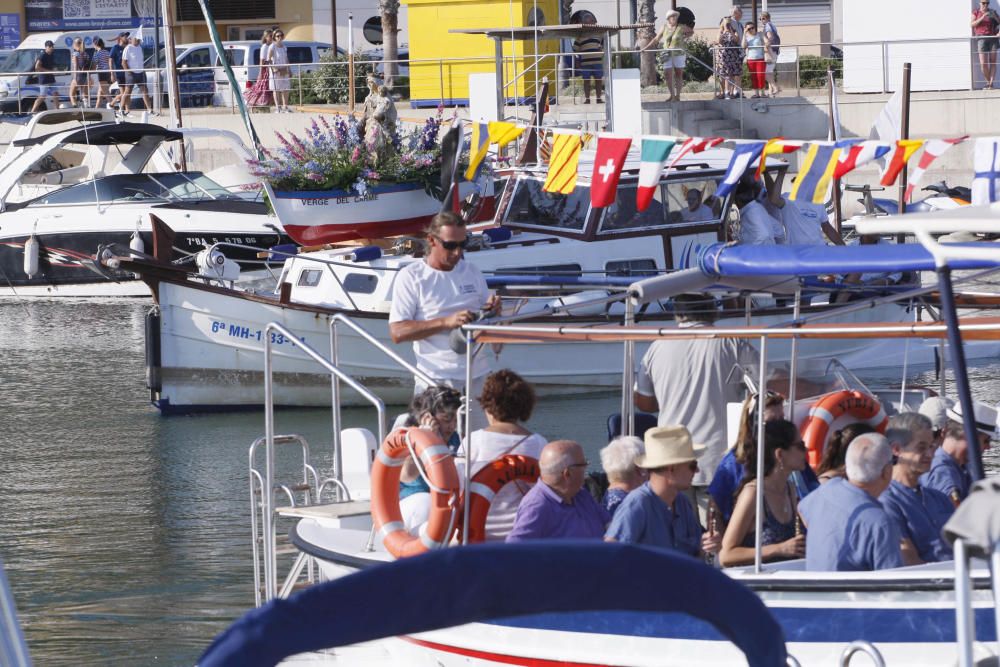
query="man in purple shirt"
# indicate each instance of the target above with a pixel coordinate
(558, 506)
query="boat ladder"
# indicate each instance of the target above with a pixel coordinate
(273, 504)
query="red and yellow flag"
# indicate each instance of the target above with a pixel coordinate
(563, 162)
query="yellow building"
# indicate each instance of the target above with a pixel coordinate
(441, 61)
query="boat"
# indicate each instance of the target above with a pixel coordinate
(207, 340)
(63, 194)
(930, 614)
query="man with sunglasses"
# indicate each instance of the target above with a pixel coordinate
(559, 507)
(434, 296)
(920, 511)
(658, 514)
(848, 530)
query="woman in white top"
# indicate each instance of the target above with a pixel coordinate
(259, 94)
(508, 400)
(280, 72)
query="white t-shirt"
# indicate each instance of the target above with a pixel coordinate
(688, 380)
(422, 293)
(488, 446)
(758, 227)
(801, 228)
(701, 213)
(132, 55)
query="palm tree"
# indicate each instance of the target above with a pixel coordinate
(647, 60)
(389, 10)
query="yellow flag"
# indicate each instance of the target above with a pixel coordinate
(563, 163)
(502, 132)
(478, 149)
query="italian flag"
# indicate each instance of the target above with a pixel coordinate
(653, 155)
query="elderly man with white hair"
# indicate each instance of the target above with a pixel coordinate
(948, 473)
(618, 461)
(848, 530)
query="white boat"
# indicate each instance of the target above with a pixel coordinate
(206, 341)
(66, 193)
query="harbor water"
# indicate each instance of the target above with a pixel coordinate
(126, 535)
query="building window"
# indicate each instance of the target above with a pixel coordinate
(227, 10)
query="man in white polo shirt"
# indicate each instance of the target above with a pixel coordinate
(432, 297)
(135, 75)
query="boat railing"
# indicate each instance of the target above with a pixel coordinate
(861, 646)
(273, 333)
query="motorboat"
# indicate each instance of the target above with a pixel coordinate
(63, 194)
(550, 254)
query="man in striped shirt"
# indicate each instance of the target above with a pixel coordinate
(589, 50)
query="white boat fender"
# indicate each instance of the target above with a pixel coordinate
(135, 244)
(31, 248)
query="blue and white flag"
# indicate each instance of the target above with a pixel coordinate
(986, 165)
(743, 156)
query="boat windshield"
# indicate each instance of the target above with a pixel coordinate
(815, 377)
(177, 186)
(530, 205)
(690, 202)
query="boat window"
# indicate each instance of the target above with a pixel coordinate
(531, 206)
(551, 269)
(631, 267)
(623, 213)
(310, 277)
(671, 204)
(360, 283)
(136, 187)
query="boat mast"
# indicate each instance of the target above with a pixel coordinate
(172, 88)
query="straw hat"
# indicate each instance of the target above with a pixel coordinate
(986, 417)
(667, 446)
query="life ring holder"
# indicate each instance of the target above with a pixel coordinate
(486, 483)
(437, 467)
(816, 427)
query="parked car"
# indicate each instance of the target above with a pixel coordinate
(244, 58)
(402, 61)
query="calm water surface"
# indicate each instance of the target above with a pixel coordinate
(126, 535)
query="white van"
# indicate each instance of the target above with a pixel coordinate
(18, 83)
(201, 75)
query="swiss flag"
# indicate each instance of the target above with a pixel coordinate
(608, 163)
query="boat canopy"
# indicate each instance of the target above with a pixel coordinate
(451, 587)
(106, 135)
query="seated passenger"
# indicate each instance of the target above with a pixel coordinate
(558, 506)
(935, 408)
(695, 211)
(658, 513)
(849, 531)
(618, 461)
(921, 512)
(832, 463)
(507, 400)
(803, 223)
(757, 226)
(784, 453)
(948, 473)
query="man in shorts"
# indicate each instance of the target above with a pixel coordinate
(589, 50)
(117, 73)
(45, 64)
(135, 75)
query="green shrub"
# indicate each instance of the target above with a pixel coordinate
(812, 70)
(329, 81)
(694, 70)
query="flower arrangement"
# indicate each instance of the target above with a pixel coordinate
(334, 156)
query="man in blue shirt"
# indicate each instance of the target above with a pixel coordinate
(558, 506)
(920, 512)
(948, 473)
(658, 513)
(848, 530)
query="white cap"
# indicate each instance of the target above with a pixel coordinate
(986, 417)
(935, 408)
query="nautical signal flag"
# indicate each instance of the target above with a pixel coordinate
(653, 155)
(777, 146)
(933, 149)
(502, 132)
(477, 151)
(859, 154)
(743, 156)
(986, 167)
(901, 154)
(563, 162)
(695, 145)
(816, 173)
(608, 163)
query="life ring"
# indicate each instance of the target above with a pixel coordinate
(439, 465)
(863, 407)
(486, 483)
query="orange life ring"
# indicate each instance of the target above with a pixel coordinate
(816, 427)
(440, 468)
(487, 483)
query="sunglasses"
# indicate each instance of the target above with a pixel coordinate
(693, 466)
(453, 245)
(894, 460)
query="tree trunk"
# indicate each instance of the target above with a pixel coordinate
(389, 10)
(647, 60)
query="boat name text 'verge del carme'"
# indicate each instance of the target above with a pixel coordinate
(368, 196)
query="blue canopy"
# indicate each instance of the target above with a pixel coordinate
(720, 259)
(450, 587)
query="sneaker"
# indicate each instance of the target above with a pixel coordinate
(125, 112)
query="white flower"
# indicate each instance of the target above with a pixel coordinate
(360, 186)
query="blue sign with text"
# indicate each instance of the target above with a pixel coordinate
(10, 31)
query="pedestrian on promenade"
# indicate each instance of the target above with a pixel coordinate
(773, 42)
(727, 61)
(753, 43)
(102, 68)
(674, 36)
(985, 23)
